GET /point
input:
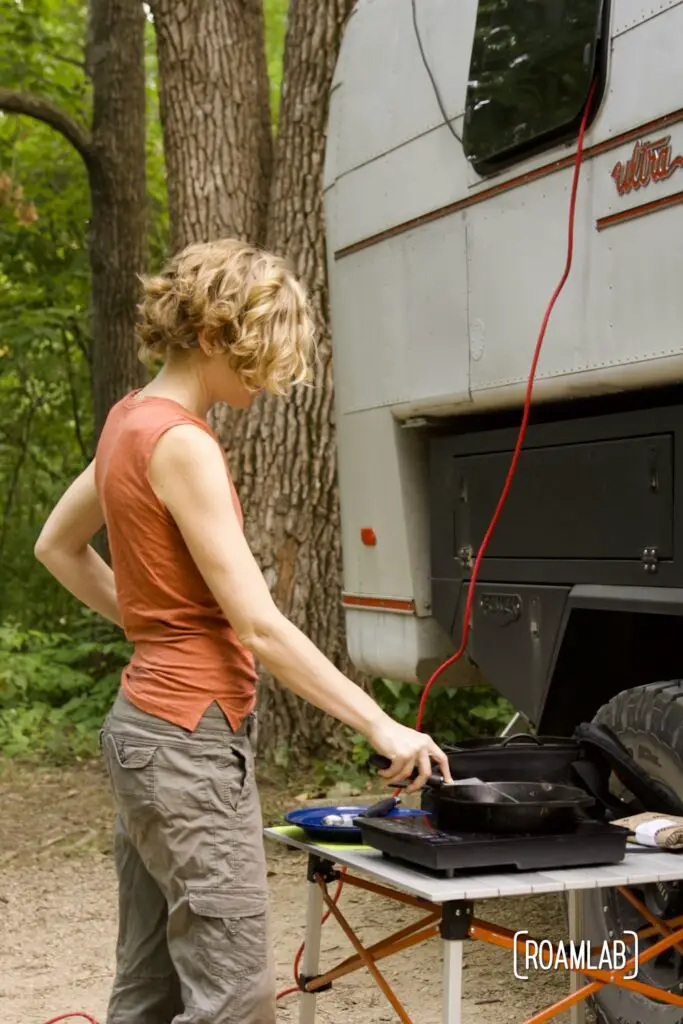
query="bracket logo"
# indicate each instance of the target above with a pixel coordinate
(613, 956)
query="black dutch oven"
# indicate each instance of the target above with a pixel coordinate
(543, 783)
(587, 760)
(518, 758)
(515, 758)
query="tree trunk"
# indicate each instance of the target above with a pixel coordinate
(282, 453)
(115, 59)
(213, 95)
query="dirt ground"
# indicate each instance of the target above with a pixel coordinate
(58, 917)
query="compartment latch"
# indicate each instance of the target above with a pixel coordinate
(650, 560)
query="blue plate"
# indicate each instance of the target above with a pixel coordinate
(310, 819)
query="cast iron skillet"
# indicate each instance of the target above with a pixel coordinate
(503, 807)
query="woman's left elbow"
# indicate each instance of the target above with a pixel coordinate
(42, 549)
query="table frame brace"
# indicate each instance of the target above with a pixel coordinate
(455, 922)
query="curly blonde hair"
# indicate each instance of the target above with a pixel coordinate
(244, 301)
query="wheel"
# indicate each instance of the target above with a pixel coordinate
(649, 722)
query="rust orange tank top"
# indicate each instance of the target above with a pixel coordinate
(186, 655)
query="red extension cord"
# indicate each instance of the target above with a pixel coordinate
(510, 474)
(72, 1016)
(494, 519)
(525, 419)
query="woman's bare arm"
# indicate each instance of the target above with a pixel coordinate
(64, 548)
(187, 473)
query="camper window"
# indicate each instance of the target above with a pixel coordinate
(532, 65)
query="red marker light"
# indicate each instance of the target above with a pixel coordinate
(368, 536)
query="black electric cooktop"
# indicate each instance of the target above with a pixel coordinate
(417, 842)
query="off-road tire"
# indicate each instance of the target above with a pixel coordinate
(649, 721)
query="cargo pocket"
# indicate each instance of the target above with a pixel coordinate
(130, 767)
(230, 929)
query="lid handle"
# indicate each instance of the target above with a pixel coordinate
(521, 736)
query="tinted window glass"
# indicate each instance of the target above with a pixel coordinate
(531, 69)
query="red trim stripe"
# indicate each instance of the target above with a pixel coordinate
(387, 604)
(639, 211)
(506, 186)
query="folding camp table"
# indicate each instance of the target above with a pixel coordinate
(447, 906)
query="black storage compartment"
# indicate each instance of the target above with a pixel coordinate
(593, 501)
(592, 505)
(608, 499)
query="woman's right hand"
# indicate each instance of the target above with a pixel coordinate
(407, 750)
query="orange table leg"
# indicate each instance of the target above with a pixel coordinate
(380, 980)
(502, 937)
(671, 923)
(427, 927)
(660, 926)
(412, 935)
(382, 890)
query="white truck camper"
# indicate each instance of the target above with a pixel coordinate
(452, 139)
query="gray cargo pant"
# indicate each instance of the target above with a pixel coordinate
(194, 944)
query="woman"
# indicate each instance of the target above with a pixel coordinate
(229, 321)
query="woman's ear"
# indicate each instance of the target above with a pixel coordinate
(205, 345)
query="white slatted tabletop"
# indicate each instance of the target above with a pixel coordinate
(639, 867)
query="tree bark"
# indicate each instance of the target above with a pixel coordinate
(118, 230)
(213, 95)
(282, 453)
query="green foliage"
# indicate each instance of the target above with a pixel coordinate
(275, 12)
(45, 404)
(55, 688)
(156, 163)
(45, 411)
(42, 51)
(450, 715)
